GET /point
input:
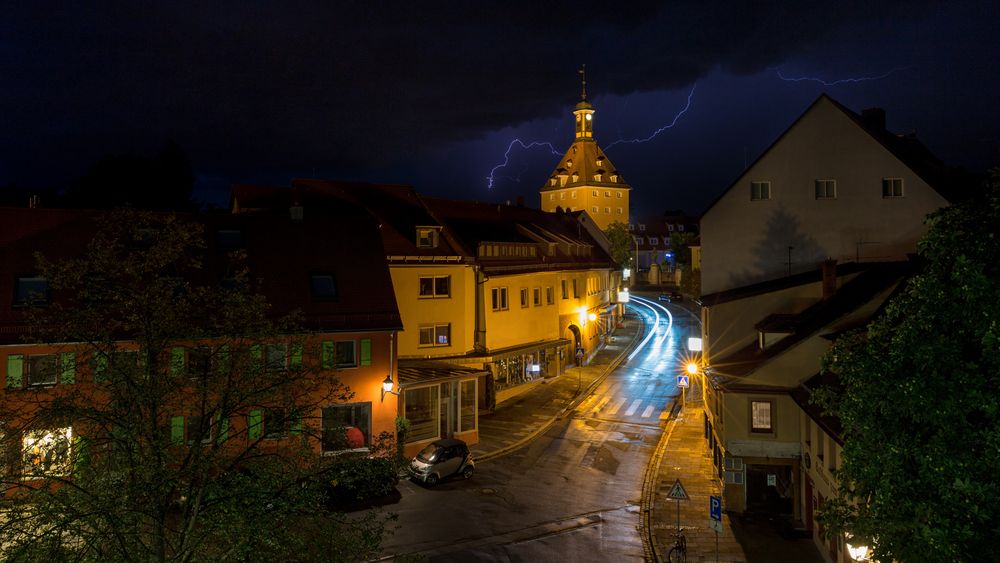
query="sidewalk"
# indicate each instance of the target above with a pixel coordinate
(682, 454)
(519, 419)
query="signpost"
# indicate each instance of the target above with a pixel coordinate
(683, 382)
(678, 493)
(715, 520)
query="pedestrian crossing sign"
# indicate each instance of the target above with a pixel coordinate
(677, 492)
(683, 381)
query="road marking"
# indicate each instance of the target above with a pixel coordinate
(646, 413)
(635, 405)
(601, 404)
(649, 388)
(614, 409)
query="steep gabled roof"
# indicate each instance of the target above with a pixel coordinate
(948, 182)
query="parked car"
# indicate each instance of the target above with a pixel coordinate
(671, 297)
(442, 459)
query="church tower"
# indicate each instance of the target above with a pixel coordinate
(585, 179)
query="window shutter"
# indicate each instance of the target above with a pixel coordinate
(296, 426)
(223, 426)
(177, 430)
(81, 454)
(222, 358)
(15, 370)
(257, 357)
(366, 351)
(329, 355)
(254, 424)
(100, 367)
(177, 361)
(67, 360)
(296, 362)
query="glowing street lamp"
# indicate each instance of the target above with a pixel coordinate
(857, 552)
(387, 386)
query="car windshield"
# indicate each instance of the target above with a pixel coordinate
(429, 454)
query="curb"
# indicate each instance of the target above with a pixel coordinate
(650, 551)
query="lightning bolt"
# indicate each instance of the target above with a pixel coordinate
(842, 80)
(661, 129)
(506, 157)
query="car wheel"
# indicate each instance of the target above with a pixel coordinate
(468, 471)
(431, 480)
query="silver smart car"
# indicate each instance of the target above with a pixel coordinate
(442, 459)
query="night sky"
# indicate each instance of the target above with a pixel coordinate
(432, 94)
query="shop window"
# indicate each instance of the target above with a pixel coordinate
(347, 427)
(468, 405)
(421, 410)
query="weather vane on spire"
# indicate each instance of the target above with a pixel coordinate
(583, 78)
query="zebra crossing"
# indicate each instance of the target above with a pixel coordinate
(620, 400)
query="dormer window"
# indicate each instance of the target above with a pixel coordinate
(576, 177)
(427, 237)
(31, 291)
(597, 177)
(322, 287)
(569, 164)
(642, 226)
(614, 178)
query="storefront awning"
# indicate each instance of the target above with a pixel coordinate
(412, 372)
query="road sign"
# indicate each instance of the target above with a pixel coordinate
(677, 492)
(715, 525)
(683, 381)
(715, 508)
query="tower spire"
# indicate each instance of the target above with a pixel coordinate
(583, 77)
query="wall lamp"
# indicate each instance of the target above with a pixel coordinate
(387, 387)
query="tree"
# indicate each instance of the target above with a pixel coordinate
(176, 393)
(621, 243)
(919, 401)
(679, 244)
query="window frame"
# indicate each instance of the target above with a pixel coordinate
(758, 191)
(29, 296)
(427, 237)
(888, 187)
(523, 292)
(366, 432)
(28, 370)
(771, 426)
(536, 296)
(550, 295)
(825, 188)
(434, 294)
(342, 364)
(499, 299)
(435, 333)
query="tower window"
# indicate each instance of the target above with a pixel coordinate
(594, 193)
(619, 193)
(607, 210)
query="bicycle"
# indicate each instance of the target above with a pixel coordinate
(678, 553)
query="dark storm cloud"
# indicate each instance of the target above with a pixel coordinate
(251, 87)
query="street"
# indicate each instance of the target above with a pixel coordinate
(573, 493)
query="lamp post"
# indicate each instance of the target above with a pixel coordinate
(387, 387)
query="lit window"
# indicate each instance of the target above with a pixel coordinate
(574, 193)
(614, 179)
(761, 416)
(31, 291)
(434, 286)
(47, 452)
(892, 187)
(597, 178)
(347, 427)
(499, 298)
(760, 191)
(826, 189)
(552, 197)
(435, 335)
(322, 286)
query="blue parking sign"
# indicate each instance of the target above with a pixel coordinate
(715, 507)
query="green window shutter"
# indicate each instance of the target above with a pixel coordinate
(255, 423)
(177, 430)
(67, 361)
(223, 433)
(222, 358)
(296, 355)
(15, 370)
(296, 426)
(81, 454)
(366, 351)
(257, 357)
(100, 367)
(177, 361)
(329, 355)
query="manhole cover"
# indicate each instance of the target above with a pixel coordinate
(488, 491)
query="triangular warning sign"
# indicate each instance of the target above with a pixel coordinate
(677, 492)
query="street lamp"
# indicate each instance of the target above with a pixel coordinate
(387, 387)
(857, 552)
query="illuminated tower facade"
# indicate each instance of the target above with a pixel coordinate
(585, 179)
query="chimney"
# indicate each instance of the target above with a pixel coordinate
(829, 267)
(874, 118)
